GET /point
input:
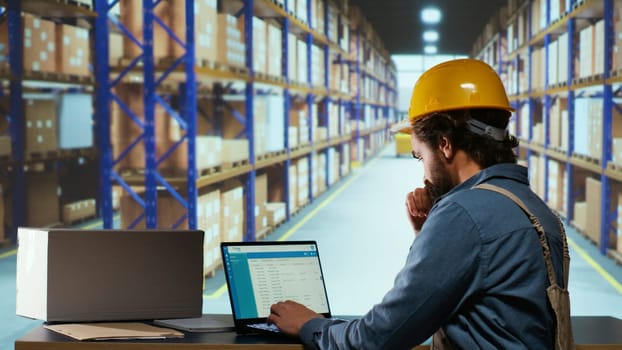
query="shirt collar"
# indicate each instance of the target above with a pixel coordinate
(509, 171)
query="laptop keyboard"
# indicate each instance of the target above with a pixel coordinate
(270, 327)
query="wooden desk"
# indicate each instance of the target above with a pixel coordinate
(602, 333)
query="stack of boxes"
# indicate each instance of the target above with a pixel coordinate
(261, 202)
(230, 45)
(208, 220)
(78, 210)
(232, 213)
(39, 49)
(302, 176)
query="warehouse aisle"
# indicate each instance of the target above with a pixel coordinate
(363, 238)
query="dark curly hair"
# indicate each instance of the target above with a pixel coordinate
(484, 150)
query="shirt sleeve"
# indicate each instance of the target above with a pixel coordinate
(440, 273)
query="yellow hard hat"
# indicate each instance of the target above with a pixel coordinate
(452, 85)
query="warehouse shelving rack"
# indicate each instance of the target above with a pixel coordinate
(154, 73)
(48, 82)
(153, 77)
(579, 15)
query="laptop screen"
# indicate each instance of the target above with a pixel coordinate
(260, 274)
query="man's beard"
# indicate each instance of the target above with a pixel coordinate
(440, 181)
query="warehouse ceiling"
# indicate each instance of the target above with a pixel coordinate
(399, 25)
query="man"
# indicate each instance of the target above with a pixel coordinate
(475, 276)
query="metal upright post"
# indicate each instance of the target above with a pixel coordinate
(250, 135)
(311, 119)
(151, 194)
(357, 103)
(102, 112)
(190, 113)
(570, 195)
(546, 115)
(287, 103)
(605, 196)
(18, 119)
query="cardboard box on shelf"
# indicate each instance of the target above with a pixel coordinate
(39, 48)
(261, 199)
(234, 151)
(131, 16)
(276, 213)
(115, 49)
(78, 210)
(208, 154)
(580, 215)
(41, 127)
(124, 130)
(208, 220)
(230, 43)
(42, 199)
(594, 209)
(72, 50)
(108, 275)
(169, 211)
(5, 146)
(265, 135)
(232, 214)
(205, 29)
(303, 181)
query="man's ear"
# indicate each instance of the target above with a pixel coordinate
(445, 147)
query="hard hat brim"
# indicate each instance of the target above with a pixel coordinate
(402, 127)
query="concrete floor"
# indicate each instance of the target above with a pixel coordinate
(363, 238)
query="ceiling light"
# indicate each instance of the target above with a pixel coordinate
(430, 36)
(430, 49)
(431, 15)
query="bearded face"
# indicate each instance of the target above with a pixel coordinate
(439, 181)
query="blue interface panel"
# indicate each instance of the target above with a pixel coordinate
(262, 275)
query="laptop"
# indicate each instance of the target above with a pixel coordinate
(260, 274)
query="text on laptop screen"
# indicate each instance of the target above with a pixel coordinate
(262, 275)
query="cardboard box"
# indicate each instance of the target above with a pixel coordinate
(5, 145)
(234, 151)
(78, 210)
(208, 220)
(42, 199)
(39, 49)
(41, 127)
(594, 209)
(261, 200)
(205, 29)
(72, 50)
(68, 275)
(276, 213)
(208, 154)
(131, 16)
(230, 43)
(580, 215)
(169, 211)
(232, 214)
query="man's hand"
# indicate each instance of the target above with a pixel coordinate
(290, 316)
(418, 204)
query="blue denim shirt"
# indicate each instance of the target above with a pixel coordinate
(476, 269)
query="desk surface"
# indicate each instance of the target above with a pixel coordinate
(590, 332)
